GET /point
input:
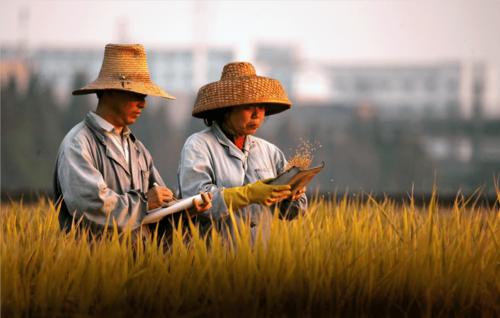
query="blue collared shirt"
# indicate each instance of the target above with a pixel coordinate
(120, 140)
(95, 181)
(211, 162)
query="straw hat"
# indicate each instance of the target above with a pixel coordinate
(124, 68)
(239, 85)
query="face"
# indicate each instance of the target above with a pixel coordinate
(245, 120)
(125, 107)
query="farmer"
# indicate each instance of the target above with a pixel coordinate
(104, 174)
(226, 159)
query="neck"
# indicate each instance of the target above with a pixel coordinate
(103, 110)
(238, 140)
(230, 133)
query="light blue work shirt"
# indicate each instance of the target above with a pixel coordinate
(211, 162)
(95, 181)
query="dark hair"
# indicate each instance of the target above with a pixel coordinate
(99, 94)
(216, 115)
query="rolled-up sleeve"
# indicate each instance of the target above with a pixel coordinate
(196, 175)
(87, 195)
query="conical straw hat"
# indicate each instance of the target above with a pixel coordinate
(239, 85)
(124, 68)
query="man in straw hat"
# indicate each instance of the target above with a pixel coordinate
(226, 159)
(104, 175)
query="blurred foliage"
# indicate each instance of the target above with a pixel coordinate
(368, 154)
(32, 128)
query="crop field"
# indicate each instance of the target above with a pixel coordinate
(344, 257)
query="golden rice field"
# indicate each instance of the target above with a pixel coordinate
(343, 258)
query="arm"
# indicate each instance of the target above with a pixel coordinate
(87, 195)
(157, 194)
(195, 175)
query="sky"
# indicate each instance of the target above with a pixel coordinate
(328, 31)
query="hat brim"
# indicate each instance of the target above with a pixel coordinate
(149, 89)
(271, 108)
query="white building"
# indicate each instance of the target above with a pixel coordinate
(431, 90)
(278, 62)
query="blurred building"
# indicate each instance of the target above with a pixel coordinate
(278, 62)
(404, 91)
(172, 69)
(216, 59)
(15, 69)
(59, 66)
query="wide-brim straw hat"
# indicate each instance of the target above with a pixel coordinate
(124, 68)
(239, 85)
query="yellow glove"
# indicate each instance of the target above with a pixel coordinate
(257, 192)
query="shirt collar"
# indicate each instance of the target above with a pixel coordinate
(107, 126)
(222, 138)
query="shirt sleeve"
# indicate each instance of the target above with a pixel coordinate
(87, 195)
(153, 176)
(195, 175)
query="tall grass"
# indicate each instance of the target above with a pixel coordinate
(344, 257)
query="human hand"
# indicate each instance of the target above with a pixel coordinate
(266, 194)
(205, 205)
(298, 194)
(257, 192)
(159, 196)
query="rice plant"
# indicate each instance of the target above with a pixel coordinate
(343, 257)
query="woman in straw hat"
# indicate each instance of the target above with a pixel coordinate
(226, 159)
(104, 175)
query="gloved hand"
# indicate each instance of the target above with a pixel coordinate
(257, 192)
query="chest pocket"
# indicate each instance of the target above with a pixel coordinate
(264, 173)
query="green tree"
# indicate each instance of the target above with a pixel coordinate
(78, 106)
(31, 132)
(10, 101)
